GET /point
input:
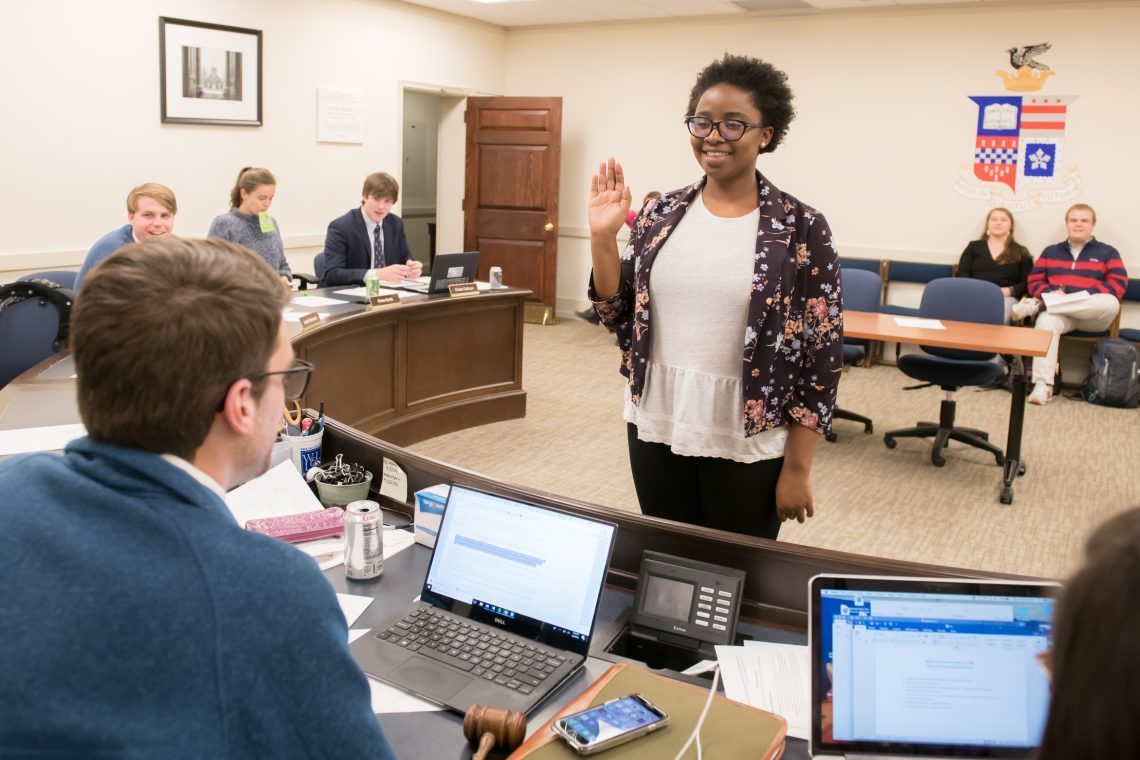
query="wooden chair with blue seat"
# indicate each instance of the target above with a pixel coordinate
(962, 300)
(1090, 338)
(914, 272)
(1131, 294)
(34, 324)
(862, 291)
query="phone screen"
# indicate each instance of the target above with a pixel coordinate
(604, 722)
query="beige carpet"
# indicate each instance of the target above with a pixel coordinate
(1083, 462)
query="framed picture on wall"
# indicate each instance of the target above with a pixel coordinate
(209, 73)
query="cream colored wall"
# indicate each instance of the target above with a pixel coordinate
(884, 122)
(81, 114)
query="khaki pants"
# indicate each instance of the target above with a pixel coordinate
(1091, 315)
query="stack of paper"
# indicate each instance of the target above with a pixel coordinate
(772, 677)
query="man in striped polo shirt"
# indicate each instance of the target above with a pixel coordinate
(1082, 264)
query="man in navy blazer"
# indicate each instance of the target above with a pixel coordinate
(352, 240)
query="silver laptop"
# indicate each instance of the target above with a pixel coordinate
(928, 667)
(447, 269)
(507, 609)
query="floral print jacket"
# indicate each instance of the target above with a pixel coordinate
(792, 346)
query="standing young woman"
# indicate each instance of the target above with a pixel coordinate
(733, 376)
(248, 222)
(998, 258)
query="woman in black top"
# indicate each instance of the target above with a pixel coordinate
(998, 258)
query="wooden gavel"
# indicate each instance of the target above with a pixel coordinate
(491, 727)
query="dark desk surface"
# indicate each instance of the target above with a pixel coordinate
(439, 735)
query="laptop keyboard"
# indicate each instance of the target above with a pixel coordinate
(515, 663)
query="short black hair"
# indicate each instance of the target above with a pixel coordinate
(767, 85)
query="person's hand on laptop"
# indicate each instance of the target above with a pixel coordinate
(394, 273)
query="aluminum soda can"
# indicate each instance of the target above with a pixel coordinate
(363, 540)
(496, 277)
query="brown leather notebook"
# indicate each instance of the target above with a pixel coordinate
(731, 730)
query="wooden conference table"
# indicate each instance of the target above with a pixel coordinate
(427, 366)
(774, 604)
(971, 336)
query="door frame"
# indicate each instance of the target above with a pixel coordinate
(451, 151)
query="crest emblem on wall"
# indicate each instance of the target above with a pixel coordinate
(1019, 139)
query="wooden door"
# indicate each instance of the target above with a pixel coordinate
(511, 194)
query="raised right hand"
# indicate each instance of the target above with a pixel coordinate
(609, 199)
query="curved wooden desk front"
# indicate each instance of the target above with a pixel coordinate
(429, 366)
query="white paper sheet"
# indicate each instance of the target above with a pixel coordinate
(279, 492)
(313, 302)
(50, 438)
(929, 324)
(389, 699)
(328, 552)
(361, 292)
(395, 541)
(353, 606)
(356, 633)
(772, 677)
(295, 316)
(1063, 303)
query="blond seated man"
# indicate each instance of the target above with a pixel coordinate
(1081, 264)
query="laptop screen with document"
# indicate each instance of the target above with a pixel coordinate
(929, 667)
(533, 571)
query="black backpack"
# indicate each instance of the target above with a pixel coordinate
(1114, 375)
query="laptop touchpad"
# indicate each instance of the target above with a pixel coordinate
(425, 677)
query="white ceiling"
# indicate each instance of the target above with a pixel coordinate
(523, 13)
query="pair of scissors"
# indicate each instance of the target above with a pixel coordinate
(292, 417)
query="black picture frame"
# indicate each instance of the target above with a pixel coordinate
(209, 73)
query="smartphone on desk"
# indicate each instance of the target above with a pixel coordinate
(610, 724)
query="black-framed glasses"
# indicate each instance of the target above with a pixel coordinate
(729, 129)
(294, 381)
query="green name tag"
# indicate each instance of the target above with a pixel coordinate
(266, 222)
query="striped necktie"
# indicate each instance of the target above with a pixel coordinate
(377, 248)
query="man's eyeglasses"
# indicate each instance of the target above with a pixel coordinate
(294, 380)
(729, 129)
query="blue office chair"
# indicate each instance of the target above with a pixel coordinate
(34, 322)
(915, 272)
(306, 280)
(862, 291)
(58, 276)
(962, 300)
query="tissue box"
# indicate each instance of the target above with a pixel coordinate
(429, 510)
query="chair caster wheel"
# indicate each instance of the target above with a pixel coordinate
(869, 429)
(1000, 459)
(1021, 470)
(1006, 495)
(831, 437)
(937, 460)
(889, 442)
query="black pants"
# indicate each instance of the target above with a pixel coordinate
(716, 493)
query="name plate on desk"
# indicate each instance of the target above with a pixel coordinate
(387, 299)
(464, 289)
(310, 319)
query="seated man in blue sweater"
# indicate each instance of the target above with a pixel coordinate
(150, 213)
(368, 238)
(138, 618)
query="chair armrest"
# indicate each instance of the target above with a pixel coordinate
(305, 281)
